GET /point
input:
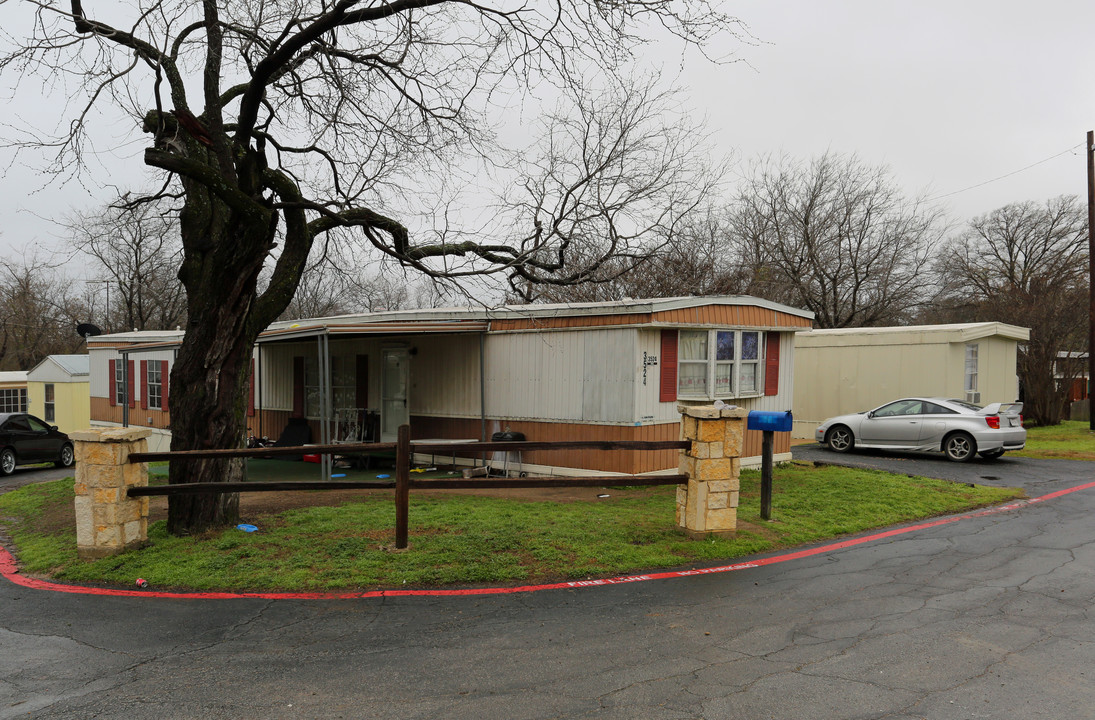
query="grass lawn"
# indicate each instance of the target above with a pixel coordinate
(469, 540)
(1071, 440)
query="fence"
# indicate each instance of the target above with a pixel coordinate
(111, 484)
(405, 449)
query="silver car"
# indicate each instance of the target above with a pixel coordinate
(958, 429)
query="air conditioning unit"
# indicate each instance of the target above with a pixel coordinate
(973, 397)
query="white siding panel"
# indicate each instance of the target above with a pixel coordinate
(573, 376)
(445, 376)
(608, 376)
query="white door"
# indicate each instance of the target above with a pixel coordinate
(393, 393)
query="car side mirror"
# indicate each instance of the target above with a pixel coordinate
(53, 428)
(870, 415)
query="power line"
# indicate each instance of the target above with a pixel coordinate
(1014, 172)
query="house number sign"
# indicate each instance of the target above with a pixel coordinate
(648, 360)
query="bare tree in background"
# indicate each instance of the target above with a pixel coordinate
(700, 260)
(135, 248)
(1025, 264)
(836, 237)
(38, 315)
(278, 123)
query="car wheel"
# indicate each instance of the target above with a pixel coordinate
(68, 457)
(991, 454)
(7, 461)
(960, 447)
(840, 439)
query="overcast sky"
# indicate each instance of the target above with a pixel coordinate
(976, 103)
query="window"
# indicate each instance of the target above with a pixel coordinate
(343, 384)
(899, 408)
(50, 406)
(119, 383)
(13, 400)
(154, 378)
(972, 395)
(719, 363)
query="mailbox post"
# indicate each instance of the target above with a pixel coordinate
(768, 423)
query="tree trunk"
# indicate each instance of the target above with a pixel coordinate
(225, 253)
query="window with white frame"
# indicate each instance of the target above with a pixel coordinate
(972, 394)
(343, 380)
(13, 400)
(155, 385)
(50, 407)
(719, 364)
(119, 383)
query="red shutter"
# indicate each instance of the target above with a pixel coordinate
(667, 389)
(164, 374)
(362, 381)
(251, 391)
(129, 384)
(144, 384)
(298, 387)
(112, 383)
(771, 365)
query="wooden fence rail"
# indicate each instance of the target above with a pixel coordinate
(404, 483)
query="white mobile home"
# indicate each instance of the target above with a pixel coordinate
(590, 371)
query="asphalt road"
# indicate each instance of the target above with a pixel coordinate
(986, 617)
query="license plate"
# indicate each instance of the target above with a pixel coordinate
(1014, 422)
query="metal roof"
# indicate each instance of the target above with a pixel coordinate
(485, 314)
(960, 331)
(70, 364)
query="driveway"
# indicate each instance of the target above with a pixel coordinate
(32, 474)
(1034, 476)
(988, 616)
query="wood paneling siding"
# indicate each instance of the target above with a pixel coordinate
(632, 463)
(749, 316)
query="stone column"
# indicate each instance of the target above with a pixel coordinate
(107, 521)
(708, 504)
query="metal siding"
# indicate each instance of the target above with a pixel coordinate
(608, 376)
(445, 376)
(581, 375)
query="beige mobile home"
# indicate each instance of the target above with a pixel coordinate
(589, 371)
(852, 369)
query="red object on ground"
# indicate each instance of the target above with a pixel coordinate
(311, 458)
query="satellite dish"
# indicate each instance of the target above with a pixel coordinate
(86, 330)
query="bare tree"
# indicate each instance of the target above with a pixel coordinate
(836, 237)
(135, 248)
(700, 260)
(280, 122)
(38, 315)
(1024, 264)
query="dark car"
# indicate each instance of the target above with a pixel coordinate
(24, 439)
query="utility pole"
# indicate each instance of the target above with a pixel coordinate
(1091, 275)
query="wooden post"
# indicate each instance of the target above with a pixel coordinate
(402, 485)
(766, 476)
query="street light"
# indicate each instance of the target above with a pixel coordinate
(1091, 273)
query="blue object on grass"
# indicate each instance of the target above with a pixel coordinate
(246, 528)
(381, 477)
(339, 475)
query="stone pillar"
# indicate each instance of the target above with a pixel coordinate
(107, 521)
(708, 504)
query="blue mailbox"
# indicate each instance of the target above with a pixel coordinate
(767, 420)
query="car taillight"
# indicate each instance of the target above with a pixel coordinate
(1021, 421)
(993, 421)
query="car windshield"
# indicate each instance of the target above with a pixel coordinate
(963, 403)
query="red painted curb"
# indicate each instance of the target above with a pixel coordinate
(10, 571)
